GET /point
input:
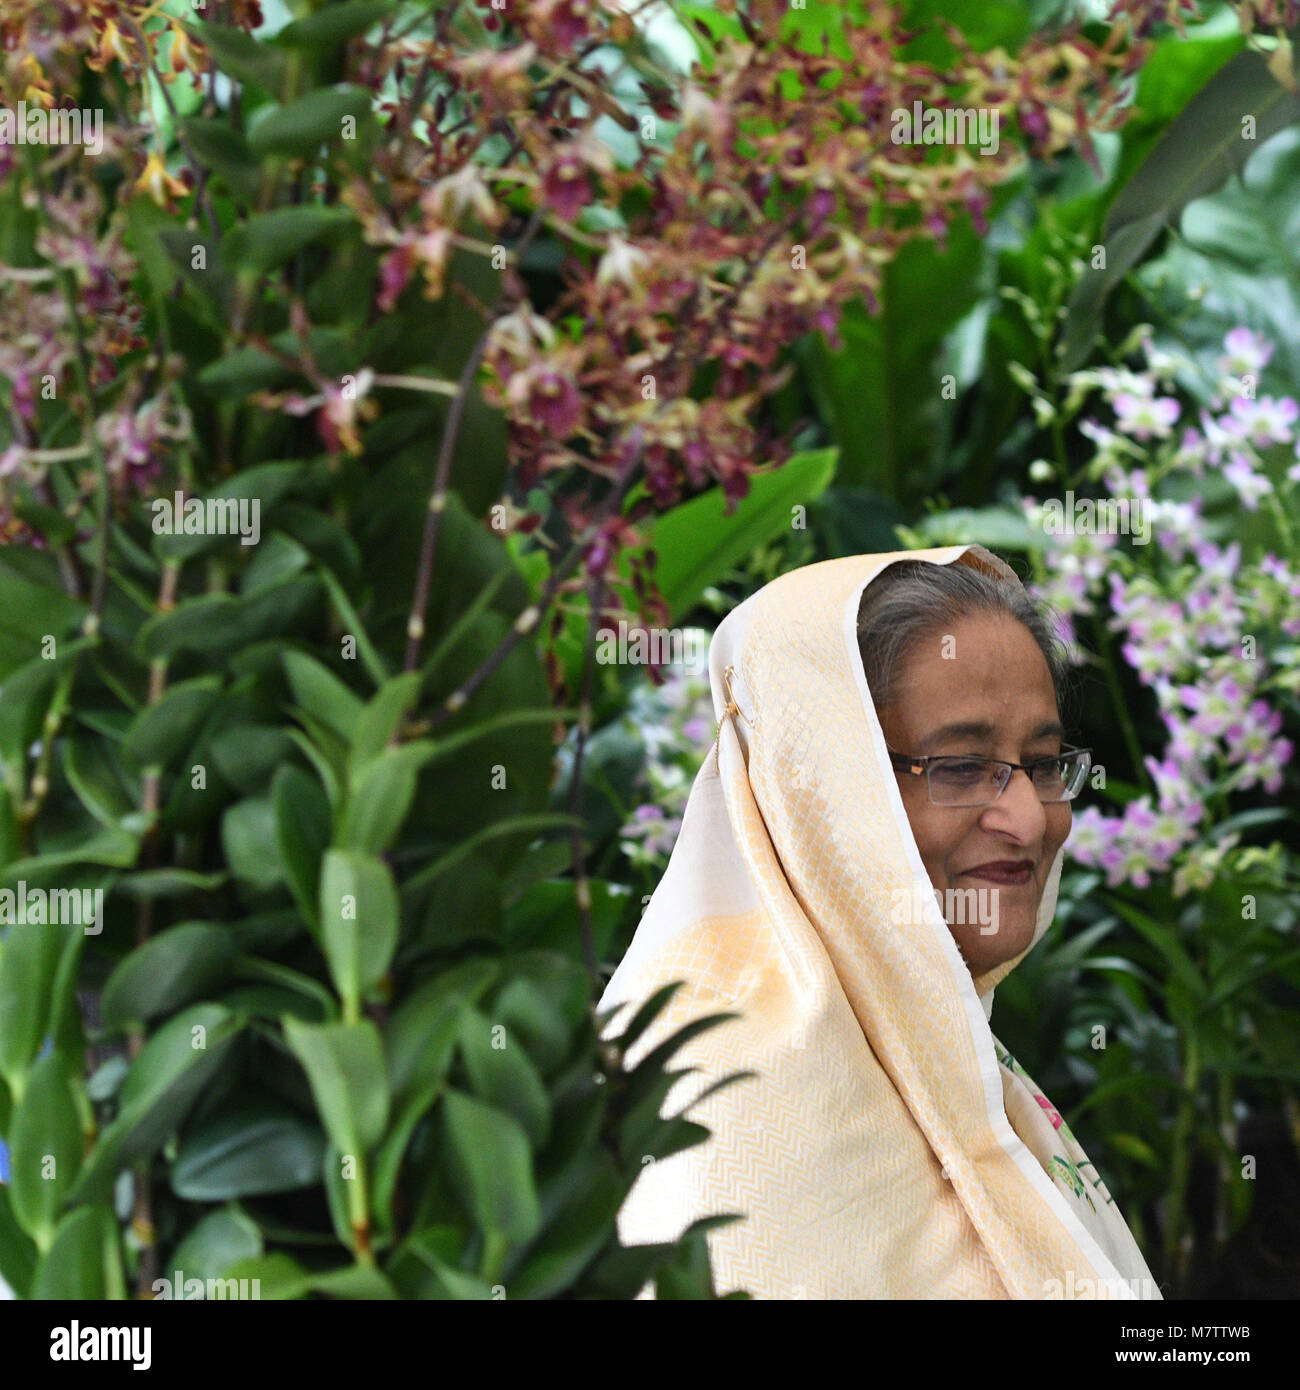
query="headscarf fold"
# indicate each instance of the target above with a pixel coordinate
(888, 1147)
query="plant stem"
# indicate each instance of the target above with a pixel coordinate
(359, 1213)
(581, 884)
(1181, 1160)
(442, 475)
(1106, 652)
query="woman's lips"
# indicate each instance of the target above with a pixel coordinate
(1005, 876)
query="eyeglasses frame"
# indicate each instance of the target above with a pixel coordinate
(921, 765)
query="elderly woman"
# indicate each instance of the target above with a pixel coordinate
(873, 844)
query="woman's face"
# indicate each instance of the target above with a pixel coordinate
(982, 689)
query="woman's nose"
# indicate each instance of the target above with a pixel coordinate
(1020, 804)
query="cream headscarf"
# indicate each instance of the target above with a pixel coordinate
(889, 1147)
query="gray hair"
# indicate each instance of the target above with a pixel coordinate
(914, 599)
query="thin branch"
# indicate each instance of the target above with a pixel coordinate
(581, 884)
(442, 475)
(527, 621)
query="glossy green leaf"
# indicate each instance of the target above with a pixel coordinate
(241, 506)
(577, 1232)
(379, 720)
(83, 1261)
(45, 1149)
(167, 972)
(241, 56)
(248, 1152)
(501, 1074)
(490, 1165)
(161, 733)
(322, 695)
(380, 795)
(344, 1063)
(29, 958)
(302, 833)
(165, 1080)
(217, 1241)
(248, 840)
(302, 126)
(18, 1253)
(220, 148)
(359, 921)
(1198, 151)
(698, 542)
(335, 24)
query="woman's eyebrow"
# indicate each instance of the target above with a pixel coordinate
(978, 729)
(974, 729)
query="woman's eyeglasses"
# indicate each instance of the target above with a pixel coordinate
(957, 780)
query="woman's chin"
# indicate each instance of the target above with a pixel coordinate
(985, 950)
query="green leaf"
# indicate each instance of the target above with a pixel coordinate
(218, 623)
(880, 394)
(351, 1282)
(18, 1252)
(161, 733)
(220, 148)
(97, 778)
(29, 958)
(247, 1152)
(392, 1150)
(30, 613)
(351, 620)
(698, 543)
(277, 1275)
(322, 695)
(501, 1073)
(490, 1165)
(644, 1015)
(421, 1032)
(248, 839)
(344, 1063)
(512, 825)
(330, 27)
(302, 833)
(168, 883)
(533, 1016)
(1166, 942)
(51, 523)
(165, 1080)
(246, 499)
(299, 128)
(380, 796)
(247, 755)
(216, 1242)
(576, 1234)
(197, 257)
(379, 720)
(83, 1261)
(359, 919)
(451, 1283)
(45, 1149)
(239, 55)
(1200, 149)
(1138, 1149)
(268, 239)
(167, 972)
(244, 371)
